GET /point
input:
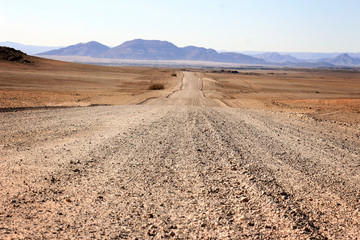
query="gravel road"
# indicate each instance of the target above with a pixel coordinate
(181, 167)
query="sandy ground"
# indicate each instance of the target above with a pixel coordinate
(54, 83)
(329, 95)
(181, 165)
(332, 95)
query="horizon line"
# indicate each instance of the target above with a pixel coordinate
(236, 51)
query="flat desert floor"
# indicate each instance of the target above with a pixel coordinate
(90, 152)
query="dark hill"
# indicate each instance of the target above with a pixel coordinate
(13, 55)
(92, 49)
(28, 49)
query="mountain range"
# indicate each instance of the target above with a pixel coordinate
(140, 49)
(92, 49)
(344, 60)
(275, 57)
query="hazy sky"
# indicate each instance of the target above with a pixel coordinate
(238, 25)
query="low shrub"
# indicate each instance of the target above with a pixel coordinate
(156, 86)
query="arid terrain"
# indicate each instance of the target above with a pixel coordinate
(54, 83)
(89, 152)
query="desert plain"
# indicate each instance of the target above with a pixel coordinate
(91, 152)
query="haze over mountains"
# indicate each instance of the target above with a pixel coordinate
(92, 49)
(140, 49)
(345, 60)
(276, 57)
(28, 49)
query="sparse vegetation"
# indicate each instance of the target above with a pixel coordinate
(174, 75)
(156, 86)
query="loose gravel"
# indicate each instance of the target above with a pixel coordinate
(181, 167)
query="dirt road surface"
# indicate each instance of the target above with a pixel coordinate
(180, 167)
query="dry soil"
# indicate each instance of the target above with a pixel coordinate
(181, 164)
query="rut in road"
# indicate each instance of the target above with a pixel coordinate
(167, 169)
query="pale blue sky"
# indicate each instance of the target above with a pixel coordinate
(263, 25)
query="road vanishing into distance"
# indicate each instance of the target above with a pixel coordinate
(181, 167)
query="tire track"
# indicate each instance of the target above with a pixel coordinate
(177, 167)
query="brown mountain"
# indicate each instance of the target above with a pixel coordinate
(92, 49)
(140, 49)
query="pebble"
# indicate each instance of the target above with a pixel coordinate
(244, 199)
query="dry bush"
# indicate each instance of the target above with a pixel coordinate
(156, 86)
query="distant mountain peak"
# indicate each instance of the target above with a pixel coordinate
(344, 59)
(141, 49)
(88, 43)
(91, 48)
(141, 43)
(276, 57)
